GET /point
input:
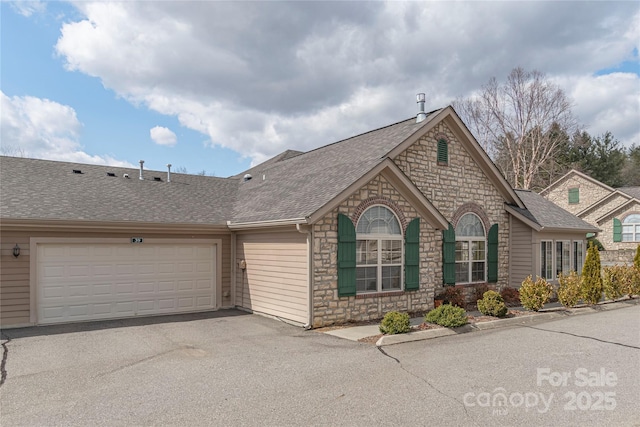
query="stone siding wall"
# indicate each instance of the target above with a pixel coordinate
(456, 188)
(621, 257)
(606, 225)
(589, 193)
(327, 307)
(594, 214)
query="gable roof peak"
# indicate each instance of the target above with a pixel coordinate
(575, 172)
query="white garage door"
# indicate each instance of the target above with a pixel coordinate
(78, 282)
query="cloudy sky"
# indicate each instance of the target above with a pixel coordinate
(216, 86)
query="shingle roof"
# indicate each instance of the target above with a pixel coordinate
(296, 184)
(631, 191)
(48, 190)
(549, 215)
(299, 186)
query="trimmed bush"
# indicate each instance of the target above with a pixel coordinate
(395, 323)
(447, 315)
(533, 295)
(511, 296)
(453, 296)
(630, 278)
(615, 281)
(569, 290)
(636, 259)
(492, 304)
(591, 289)
(479, 292)
(595, 242)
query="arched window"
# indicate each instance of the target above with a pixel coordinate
(631, 228)
(379, 251)
(471, 250)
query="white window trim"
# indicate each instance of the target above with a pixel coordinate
(567, 244)
(470, 261)
(543, 274)
(379, 265)
(635, 235)
(573, 255)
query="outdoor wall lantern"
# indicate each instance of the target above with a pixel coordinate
(16, 251)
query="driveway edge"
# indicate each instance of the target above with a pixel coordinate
(502, 323)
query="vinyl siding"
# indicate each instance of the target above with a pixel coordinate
(15, 295)
(275, 281)
(14, 281)
(522, 261)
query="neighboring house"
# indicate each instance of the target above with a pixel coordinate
(349, 231)
(616, 211)
(546, 240)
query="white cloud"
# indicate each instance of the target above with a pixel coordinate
(608, 102)
(28, 7)
(163, 136)
(40, 128)
(262, 77)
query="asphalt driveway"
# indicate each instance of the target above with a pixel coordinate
(231, 368)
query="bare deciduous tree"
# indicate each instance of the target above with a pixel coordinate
(517, 123)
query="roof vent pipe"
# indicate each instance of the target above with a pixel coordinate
(421, 114)
(247, 177)
(141, 163)
(169, 172)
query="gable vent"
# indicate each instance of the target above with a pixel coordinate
(111, 174)
(78, 171)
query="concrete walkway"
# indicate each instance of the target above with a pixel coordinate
(550, 312)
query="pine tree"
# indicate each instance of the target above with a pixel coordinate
(592, 277)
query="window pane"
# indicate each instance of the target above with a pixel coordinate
(366, 279)
(378, 220)
(627, 237)
(478, 250)
(391, 252)
(546, 260)
(462, 272)
(462, 251)
(633, 218)
(366, 252)
(477, 272)
(469, 225)
(390, 278)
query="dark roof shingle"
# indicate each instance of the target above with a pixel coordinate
(549, 215)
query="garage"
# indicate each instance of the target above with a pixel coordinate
(83, 281)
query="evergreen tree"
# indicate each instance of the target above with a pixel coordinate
(591, 285)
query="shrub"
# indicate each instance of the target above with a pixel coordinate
(448, 316)
(511, 296)
(630, 279)
(492, 304)
(615, 281)
(569, 290)
(636, 259)
(479, 292)
(395, 323)
(591, 289)
(453, 296)
(533, 295)
(595, 242)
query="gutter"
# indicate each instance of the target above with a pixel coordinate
(269, 223)
(310, 241)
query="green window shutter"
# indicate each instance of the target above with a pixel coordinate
(449, 256)
(443, 151)
(574, 195)
(412, 256)
(617, 230)
(492, 254)
(346, 257)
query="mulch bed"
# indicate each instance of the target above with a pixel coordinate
(426, 326)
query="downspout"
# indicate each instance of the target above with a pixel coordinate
(309, 233)
(234, 270)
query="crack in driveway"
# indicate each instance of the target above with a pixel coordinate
(584, 336)
(5, 355)
(464, 407)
